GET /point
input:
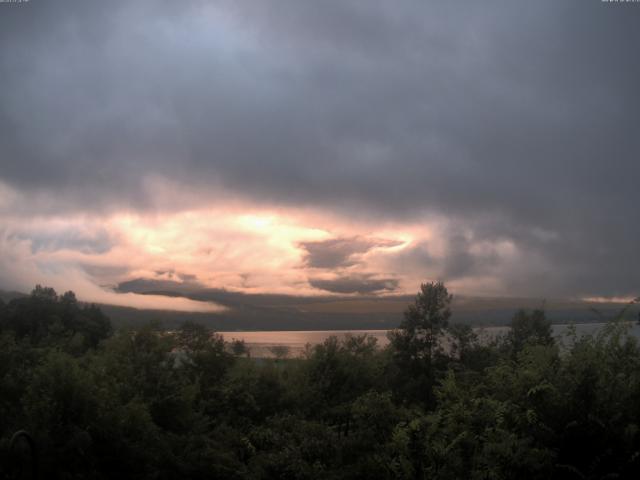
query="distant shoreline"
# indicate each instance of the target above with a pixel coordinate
(260, 342)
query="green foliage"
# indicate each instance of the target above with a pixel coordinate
(529, 328)
(44, 318)
(239, 348)
(437, 403)
(424, 321)
(416, 343)
(280, 351)
(340, 370)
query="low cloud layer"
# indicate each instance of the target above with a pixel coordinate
(362, 284)
(490, 144)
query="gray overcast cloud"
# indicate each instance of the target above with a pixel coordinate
(517, 121)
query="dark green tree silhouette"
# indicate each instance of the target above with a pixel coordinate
(415, 343)
(239, 348)
(529, 328)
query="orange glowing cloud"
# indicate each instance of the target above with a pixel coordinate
(234, 246)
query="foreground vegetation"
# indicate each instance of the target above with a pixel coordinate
(436, 403)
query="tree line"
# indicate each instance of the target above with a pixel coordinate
(79, 399)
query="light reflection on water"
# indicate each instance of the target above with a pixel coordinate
(259, 343)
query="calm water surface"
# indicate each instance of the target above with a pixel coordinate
(259, 343)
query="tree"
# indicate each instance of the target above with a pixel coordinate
(463, 339)
(415, 342)
(46, 318)
(529, 328)
(95, 326)
(239, 348)
(280, 351)
(340, 370)
(423, 322)
(193, 337)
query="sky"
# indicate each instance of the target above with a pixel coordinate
(320, 148)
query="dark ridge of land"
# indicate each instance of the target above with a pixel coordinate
(7, 296)
(284, 312)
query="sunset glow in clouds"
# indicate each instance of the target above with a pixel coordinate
(238, 247)
(355, 149)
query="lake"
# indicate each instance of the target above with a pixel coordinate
(259, 343)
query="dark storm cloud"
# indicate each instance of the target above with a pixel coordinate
(340, 252)
(516, 119)
(355, 283)
(347, 285)
(465, 255)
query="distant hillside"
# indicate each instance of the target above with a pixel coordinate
(7, 296)
(283, 312)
